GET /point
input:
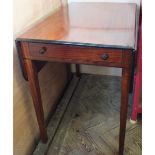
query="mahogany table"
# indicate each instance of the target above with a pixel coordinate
(103, 34)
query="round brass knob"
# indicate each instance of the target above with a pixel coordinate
(104, 56)
(42, 50)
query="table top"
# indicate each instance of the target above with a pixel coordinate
(94, 24)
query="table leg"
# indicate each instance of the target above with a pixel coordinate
(77, 66)
(36, 96)
(124, 107)
(68, 71)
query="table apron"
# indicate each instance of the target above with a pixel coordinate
(75, 54)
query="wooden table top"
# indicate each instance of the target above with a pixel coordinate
(95, 24)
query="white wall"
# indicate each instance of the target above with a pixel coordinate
(27, 12)
(96, 69)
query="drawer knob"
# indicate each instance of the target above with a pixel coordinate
(42, 50)
(104, 56)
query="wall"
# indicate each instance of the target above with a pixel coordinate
(52, 78)
(98, 69)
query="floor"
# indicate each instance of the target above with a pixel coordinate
(86, 121)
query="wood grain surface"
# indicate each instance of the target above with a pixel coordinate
(73, 54)
(97, 23)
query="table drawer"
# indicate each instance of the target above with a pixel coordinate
(74, 54)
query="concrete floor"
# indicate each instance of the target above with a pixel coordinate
(90, 122)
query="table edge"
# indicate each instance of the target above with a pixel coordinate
(74, 43)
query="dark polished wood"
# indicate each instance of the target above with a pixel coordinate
(21, 59)
(101, 34)
(36, 96)
(69, 73)
(124, 108)
(126, 75)
(77, 68)
(74, 54)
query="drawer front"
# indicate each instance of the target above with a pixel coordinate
(74, 54)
